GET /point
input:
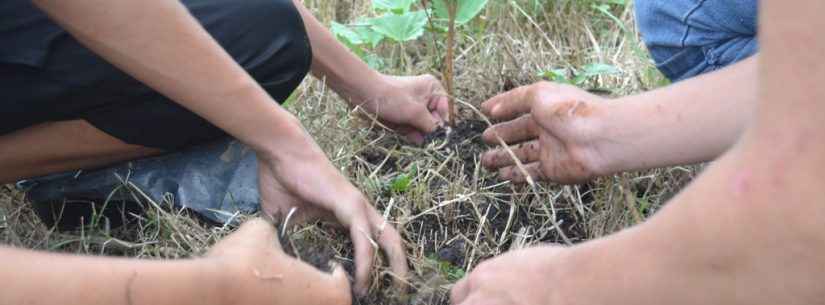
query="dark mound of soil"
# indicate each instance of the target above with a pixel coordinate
(317, 253)
(449, 237)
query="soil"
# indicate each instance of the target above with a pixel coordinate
(314, 252)
(465, 138)
(464, 143)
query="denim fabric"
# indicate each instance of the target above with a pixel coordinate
(690, 37)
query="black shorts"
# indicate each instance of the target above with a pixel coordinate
(46, 75)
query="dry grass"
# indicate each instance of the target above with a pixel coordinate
(454, 214)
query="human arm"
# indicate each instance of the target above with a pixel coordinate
(247, 267)
(732, 237)
(748, 231)
(162, 45)
(689, 122)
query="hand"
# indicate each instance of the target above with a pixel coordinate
(300, 176)
(555, 130)
(523, 277)
(413, 106)
(257, 271)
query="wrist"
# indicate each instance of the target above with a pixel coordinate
(614, 135)
(223, 283)
(372, 90)
(285, 138)
(613, 269)
(186, 281)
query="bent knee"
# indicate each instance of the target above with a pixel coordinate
(267, 38)
(687, 37)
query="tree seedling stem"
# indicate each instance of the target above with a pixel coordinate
(452, 7)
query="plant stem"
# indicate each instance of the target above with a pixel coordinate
(452, 6)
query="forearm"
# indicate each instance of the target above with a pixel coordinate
(344, 72)
(163, 46)
(43, 278)
(735, 236)
(689, 122)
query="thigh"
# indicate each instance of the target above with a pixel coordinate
(690, 37)
(266, 37)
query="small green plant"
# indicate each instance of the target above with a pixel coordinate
(452, 272)
(403, 182)
(396, 20)
(581, 76)
(449, 64)
(465, 10)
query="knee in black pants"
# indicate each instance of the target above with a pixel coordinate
(266, 37)
(270, 41)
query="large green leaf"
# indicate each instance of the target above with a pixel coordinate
(404, 27)
(395, 6)
(467, 10)
(356, 34)
(368, 35)
(343, 32)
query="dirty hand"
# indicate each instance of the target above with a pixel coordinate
(552, 129)
(521, 277)
(300, 176)
(257, 271)
(411, 105)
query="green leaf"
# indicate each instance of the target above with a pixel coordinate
(617, 2)
(467, 10)
(644, 205)
(556, 75)
(605, 9)
(368, 35)
(343, 32)
(374, 61)
(356, 34)
(592, 70)
(405, 27)
(395, 6)
(401, 183)
(451, 272)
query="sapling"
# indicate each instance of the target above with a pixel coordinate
(398, 21)
(452, 7)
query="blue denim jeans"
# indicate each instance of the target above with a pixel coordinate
(690, 37)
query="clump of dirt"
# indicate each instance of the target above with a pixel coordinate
(314, 251)
(463, 131)
(464, 138)
(453, 253)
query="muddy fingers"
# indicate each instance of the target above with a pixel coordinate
(390, 241)
(526, 153)
(515, 131)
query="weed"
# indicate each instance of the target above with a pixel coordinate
(581, 76)
(398, 22)
(401, 183)
(449, 271)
